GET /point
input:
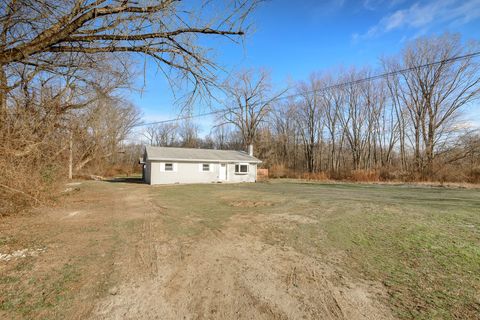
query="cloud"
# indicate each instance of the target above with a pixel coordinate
(423, 16)
(318, 10)
(335, 4)
(323, 8)
(376, 4)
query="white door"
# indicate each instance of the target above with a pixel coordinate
(222, 175)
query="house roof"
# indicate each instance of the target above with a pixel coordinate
(190, 154)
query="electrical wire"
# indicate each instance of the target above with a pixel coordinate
(334, 86)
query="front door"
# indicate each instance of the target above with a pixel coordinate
(222, 175)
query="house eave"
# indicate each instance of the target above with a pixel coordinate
(206, 160)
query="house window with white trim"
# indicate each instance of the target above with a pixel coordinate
(206, 167)
(241, 168)
(168, 166)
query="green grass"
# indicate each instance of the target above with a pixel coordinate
(422, 243)
(190, 209)
(26, 301)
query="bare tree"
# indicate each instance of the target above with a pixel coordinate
(100, 130)
(284, 131)
(354, 116)
(309, 117)
(162, 135)
(150, 133)
(434, 94)
(400, 113)
(385, 126)
(47, 35)
(249, 102)
(333, 101)
(221, 136)
(188, 132)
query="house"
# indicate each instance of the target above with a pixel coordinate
(167, 165)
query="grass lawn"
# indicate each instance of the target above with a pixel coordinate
(421, 243)
(245, 251)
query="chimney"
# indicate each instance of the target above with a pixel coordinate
(250, 150)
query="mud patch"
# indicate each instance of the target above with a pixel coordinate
(73, 214)
(286, 217)
(233, 277)
(22, 253)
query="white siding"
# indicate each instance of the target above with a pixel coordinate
(190, 172)
(251, 176)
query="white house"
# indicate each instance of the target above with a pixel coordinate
(166, 165)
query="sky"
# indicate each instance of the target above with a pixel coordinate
(293, 39)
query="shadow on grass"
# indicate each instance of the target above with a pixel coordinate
(133, 180)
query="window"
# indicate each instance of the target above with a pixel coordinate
(205, 167)
(168, 166)
(241, 168)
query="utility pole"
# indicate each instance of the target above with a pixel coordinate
(70, 156)
(70, 87)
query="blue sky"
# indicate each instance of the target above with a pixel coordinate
(292, 39)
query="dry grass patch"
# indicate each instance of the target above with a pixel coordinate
(250, 204)
(287, 248)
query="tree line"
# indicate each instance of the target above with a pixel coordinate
(351, 123)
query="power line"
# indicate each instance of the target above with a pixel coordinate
(198, 115)
(335, 86)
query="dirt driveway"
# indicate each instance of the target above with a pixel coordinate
(121, 251)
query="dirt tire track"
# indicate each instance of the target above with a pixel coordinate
(225, 275)
(131, 267)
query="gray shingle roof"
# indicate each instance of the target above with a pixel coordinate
(189, 154)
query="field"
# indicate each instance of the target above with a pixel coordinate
(272, 250)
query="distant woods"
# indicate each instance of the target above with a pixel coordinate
(406, 126)
(63, 64)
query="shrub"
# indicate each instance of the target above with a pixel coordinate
(365, 175)
(474, 176)
(280, 171)
(26, 182)
(319, 176)
(385, 174)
